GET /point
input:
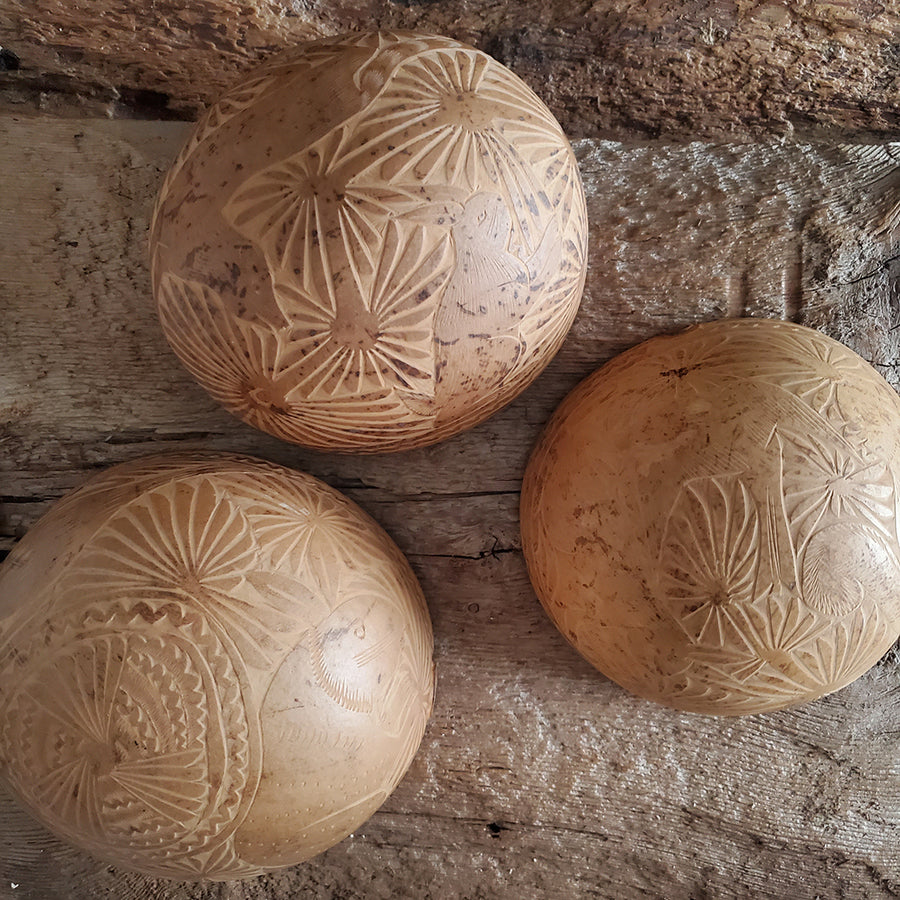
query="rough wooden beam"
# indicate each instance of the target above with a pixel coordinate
(537, 777)
(613, 68)
(679, 234)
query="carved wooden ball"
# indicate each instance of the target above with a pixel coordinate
(711, 518)
(210, 666)
(371, 244)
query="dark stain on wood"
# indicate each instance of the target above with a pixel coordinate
(9, 62)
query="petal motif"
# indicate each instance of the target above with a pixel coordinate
(241, 364)
(185, 545)
(144, 758)
(387, 342)
(824, 482)
(710, 556)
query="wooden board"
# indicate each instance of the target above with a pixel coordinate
(537, 777)
(679, 234)
(614, 68)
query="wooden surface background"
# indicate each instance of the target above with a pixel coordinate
(737, 160)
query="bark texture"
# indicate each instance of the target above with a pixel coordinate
(537, 777)
(613, 68)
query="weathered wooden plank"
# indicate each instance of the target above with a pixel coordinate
(679, 234)
(614, 68)
(537, 777)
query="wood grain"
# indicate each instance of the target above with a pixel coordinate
(679, 234)
(537, 777)
(614, 68)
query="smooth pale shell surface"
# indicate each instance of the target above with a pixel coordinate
(711, 518)
(372, 243)
(209, 666)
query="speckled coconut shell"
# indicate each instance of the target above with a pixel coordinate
(210, 666)
(711, 518)
(372, 243)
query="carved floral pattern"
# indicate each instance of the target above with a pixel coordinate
(777, 556)
(710, 557)
(757, 589)
(185, 542)
(434, 235)
(832, 481)
(212, 120)
(252, 371)
(135, 683)
(143, 725)
(454, 117)
(817, 382)
(382, 346)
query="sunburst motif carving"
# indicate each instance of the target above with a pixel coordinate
(426, 248)
(145, 682)
(382, 344)
(309, 530)
(829, 480)
(253, 370)
(187, 541)
(139, 738)
(245, 366)
(768, 573)
(710, 556)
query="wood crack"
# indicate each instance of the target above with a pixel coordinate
(885, 264)
(501, 824)
(155, 437)
(425, 496)
(494, 552)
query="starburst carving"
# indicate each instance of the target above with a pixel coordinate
(386, 342)
(253, 371)
(186, 543)
(710, 556)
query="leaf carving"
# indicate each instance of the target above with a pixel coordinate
(710, 556)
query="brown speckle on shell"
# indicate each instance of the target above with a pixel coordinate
(711, 518)
(406, 207)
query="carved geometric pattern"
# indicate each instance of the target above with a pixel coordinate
(251, 369)
(400, 281)
(425, 250)
(309, 533)
(710, 555)
(138, 683)
(117, 735)
(761, 487)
